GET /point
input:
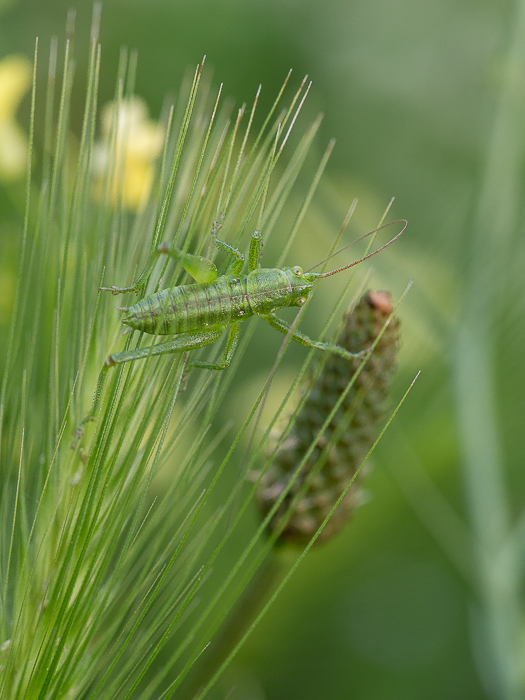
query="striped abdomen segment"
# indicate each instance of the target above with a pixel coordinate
(191, 307)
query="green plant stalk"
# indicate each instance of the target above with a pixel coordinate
(499, 633)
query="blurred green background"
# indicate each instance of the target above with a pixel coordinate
(417, 95)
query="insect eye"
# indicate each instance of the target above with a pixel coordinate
(300, 301)
(298, 271)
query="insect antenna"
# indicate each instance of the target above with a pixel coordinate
(365, 257)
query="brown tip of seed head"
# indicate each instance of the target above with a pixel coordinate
(380, 301)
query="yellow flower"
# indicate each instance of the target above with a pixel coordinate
(15, 79)
(132, 159)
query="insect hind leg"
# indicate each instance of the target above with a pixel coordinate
(181, 343)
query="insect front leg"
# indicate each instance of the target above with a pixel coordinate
(142, 280)
(284, 328)
(235, 267)
(254, 258)
(201, 269)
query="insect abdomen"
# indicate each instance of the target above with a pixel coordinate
(190, 307)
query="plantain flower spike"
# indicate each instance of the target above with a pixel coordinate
(339, 452)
